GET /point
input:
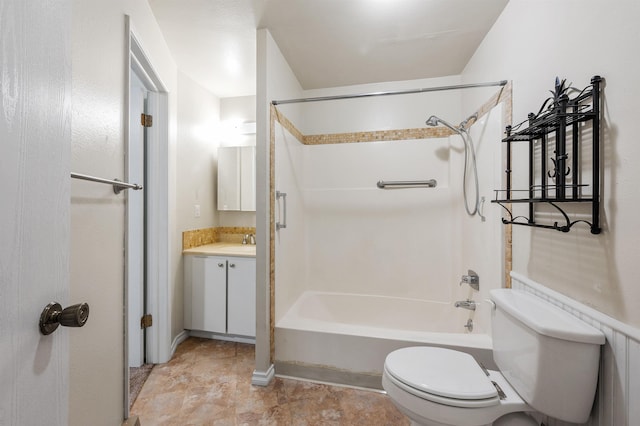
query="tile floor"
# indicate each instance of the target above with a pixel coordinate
(208, 382)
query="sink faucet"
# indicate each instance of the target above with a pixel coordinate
(252, 239)
(466, 304)
(245, 239)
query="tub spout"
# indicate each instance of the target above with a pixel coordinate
(466, 304)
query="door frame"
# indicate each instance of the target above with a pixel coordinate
(135, 234)
(157, 215)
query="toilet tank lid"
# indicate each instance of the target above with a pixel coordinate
(545, 318)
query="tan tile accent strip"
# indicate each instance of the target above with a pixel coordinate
(357, 137)
(503, 95)
(378, 135)
(200, 237)
(272, 224)
(234, 234)
(284, 121)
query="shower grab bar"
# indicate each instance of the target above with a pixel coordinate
(118, 186)
(431, 183)
(282, 195)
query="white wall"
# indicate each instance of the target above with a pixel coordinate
(198, 112)
(198, 120)
(275, 81)
(97, 215)
(531, 43)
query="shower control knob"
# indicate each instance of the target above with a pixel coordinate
(53, 315)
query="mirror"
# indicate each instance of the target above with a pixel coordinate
(237, 178)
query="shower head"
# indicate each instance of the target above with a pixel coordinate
(434, 121)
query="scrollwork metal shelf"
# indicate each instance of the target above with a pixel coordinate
(559, 117)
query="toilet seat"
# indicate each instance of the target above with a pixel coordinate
(442, 376)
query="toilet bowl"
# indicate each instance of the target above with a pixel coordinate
(443, 387)
(543, 353)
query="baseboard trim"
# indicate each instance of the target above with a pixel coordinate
(221, 336)
(181, 337)
(132, 421)
(263, 378)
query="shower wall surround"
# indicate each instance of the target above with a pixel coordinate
(344, 235)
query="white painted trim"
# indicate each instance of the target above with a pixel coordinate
(220, 336)
(158, 241)
(181, 337)
(263, 378)
(127, 124)
(604, 319)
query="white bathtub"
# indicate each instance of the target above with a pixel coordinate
(344, 338)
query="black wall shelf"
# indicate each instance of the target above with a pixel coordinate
(560, 176)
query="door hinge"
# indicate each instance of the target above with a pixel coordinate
(146, 120)
(146, 321)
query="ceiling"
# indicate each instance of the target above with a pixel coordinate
(327, 43)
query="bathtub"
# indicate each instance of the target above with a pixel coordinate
(345, 338)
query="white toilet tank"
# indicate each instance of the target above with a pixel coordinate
(550, 357)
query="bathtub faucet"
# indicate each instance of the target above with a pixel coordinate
(466, 304)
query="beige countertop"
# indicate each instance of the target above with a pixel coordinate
(223, 249)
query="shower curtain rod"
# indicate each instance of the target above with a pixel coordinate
(398, 92)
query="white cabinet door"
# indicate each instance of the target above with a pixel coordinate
(241, 295)
(237, 178)
(248, 178)
(208, 293)
(228, 178)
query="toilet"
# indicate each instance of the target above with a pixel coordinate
(548, 363)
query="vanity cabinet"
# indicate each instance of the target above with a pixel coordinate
(220, 294)
(237, 178)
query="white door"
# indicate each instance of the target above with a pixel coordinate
(136, 223)
(35, 135)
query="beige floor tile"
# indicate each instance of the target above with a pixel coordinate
(208, 382)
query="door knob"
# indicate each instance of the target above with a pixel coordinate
(53, 315)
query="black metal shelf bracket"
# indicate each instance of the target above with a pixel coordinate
(527, 221)
(560, 118)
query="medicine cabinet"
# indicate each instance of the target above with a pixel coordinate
(237, 178)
